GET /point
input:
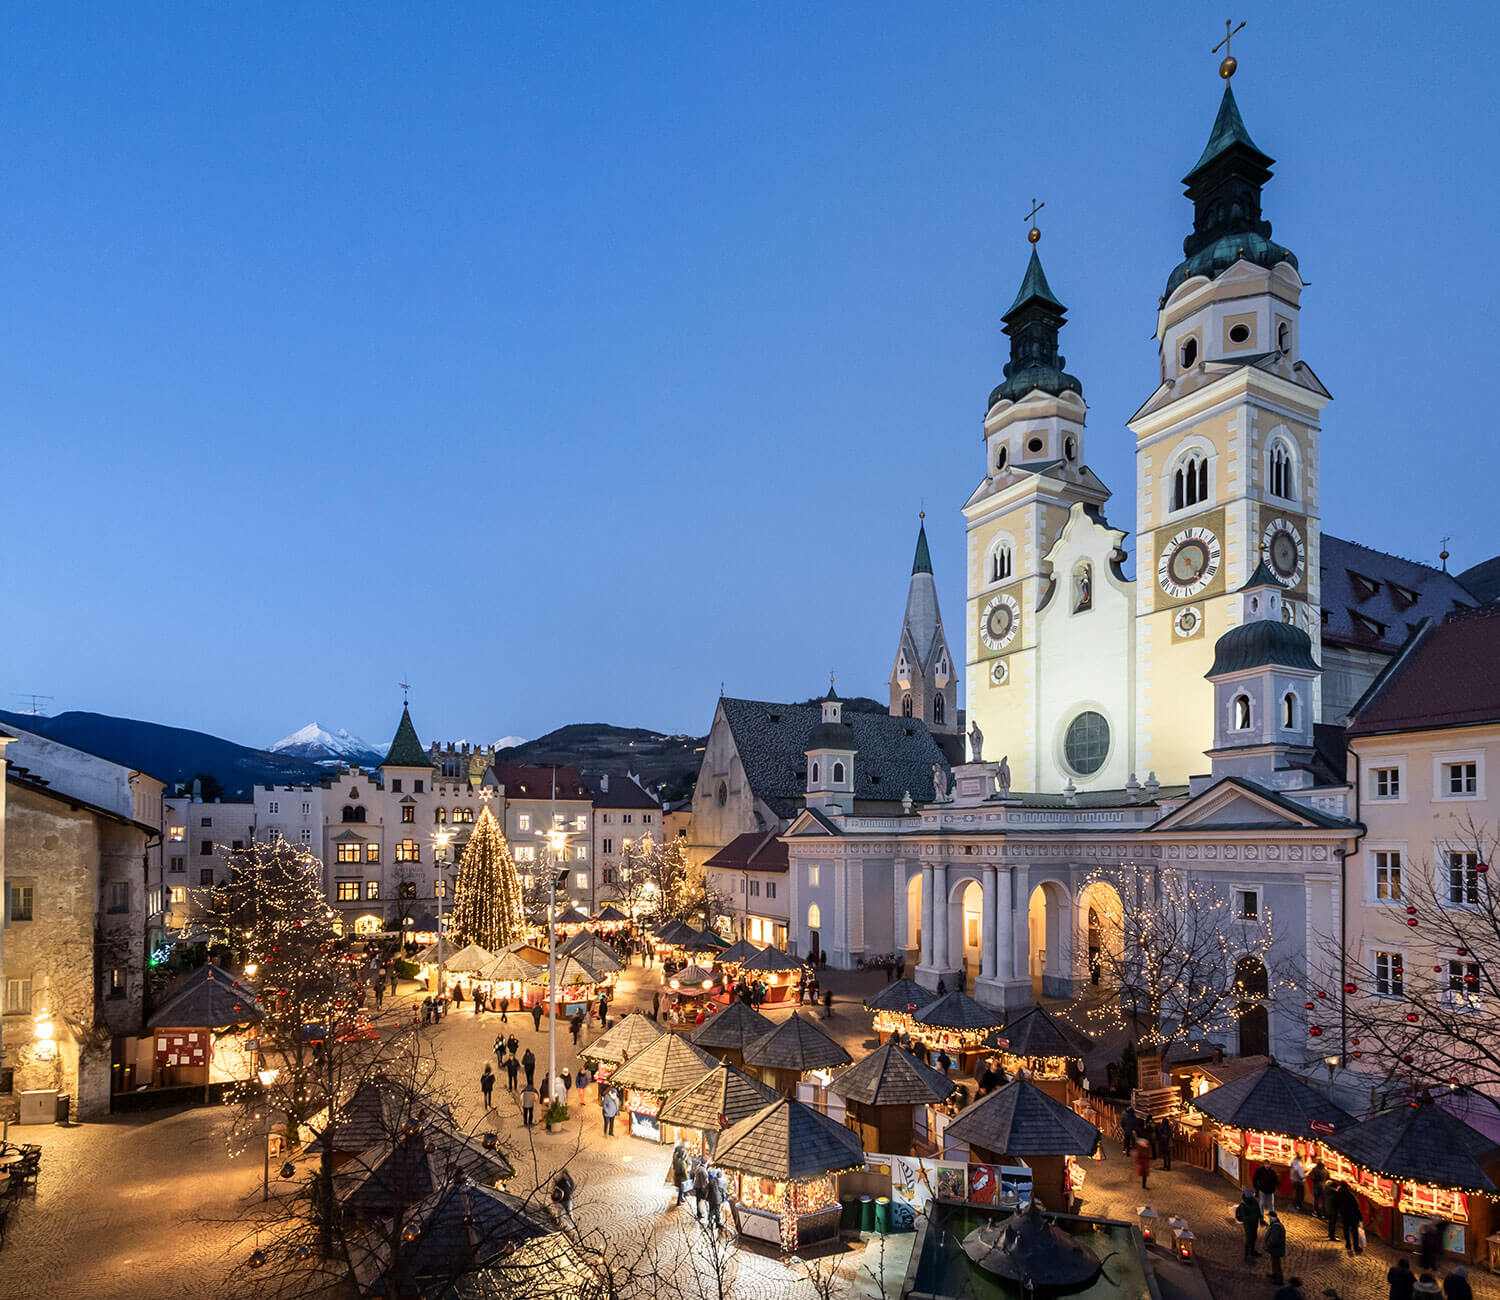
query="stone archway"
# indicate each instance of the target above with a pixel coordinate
(1252, 1019)
(1049, 915)
(1100, 941)
(914, 934)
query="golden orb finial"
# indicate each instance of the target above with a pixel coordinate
(1034, 234)
(1227, 68)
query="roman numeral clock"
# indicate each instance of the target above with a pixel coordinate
(1189, 561)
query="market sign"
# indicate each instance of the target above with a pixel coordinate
(1321, 1126)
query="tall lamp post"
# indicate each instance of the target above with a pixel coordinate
(557, 844)
(440, 841)
(267, 1078)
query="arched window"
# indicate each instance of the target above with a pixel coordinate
(1281, 470)
(814, 917)
(440, 815)
(1189, 353)
(1190, 481)
(938, 708)
(906, 706)
(816, 773)
(1289, 710)
(838, 774)
(1242, 713)
(1284, 337)
(1070, 447)
(348, 813)
(1002, 458)
(1000, 564)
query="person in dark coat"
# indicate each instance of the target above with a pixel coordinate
(487, 1086)
(562, 1193)
(715, 1202)
(1402, 1280)
(528, 1063)
(1276, 1245)
(656, 1006)
(577, 1026)
(512, 1068)
(1428, 1241)
(1247, 1213)
(827, 1003)
(700, 1188)
(1456, 1285)
(1351, 1218)
(1164, 1136)
(1265, 1180)
(512, 1044)
(681, 1174)
(528, 1103)
(1318, 1178)
(1128, 1124)
(504, 1010)
(536, 1016)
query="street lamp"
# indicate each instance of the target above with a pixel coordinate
(440, 841)
(267, 1078)
(557, 843)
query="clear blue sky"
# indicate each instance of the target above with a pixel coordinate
(569, 360)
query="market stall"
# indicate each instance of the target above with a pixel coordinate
(1415, 1164)
(669, 1065)
(688, 991)
(1267, 1117)
(624, 1042)
(727, 1033)
(955, 1024)
(376, 1111)
(594, 953)
(783, 1164)
(206, 1032)
(611, 919)
(466, 961)
(895, 1005)
(888, 1095)
(700, 1112)
(1030, 1137)
(796, 1058)
(570, 921)
(1045, 1046)
(781, 975)
(734, 955)
(573, 985)
(507, 977)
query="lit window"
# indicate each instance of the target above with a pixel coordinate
(1389, 974)
(178, 895)
(813, 874)
(1387, 782)
(177, 834)
(581, 880)
(372, 853)
(814, 917)
(581, 822)
(1463, 877)
(408, 851)
(523, 821)
(1387, 874)
(440, 815)
(348, 891)
(1463, 983)
(18, 997)
(525, 853)
(372, 889)
(347, 853)
(408, 813)
(581, 853)
(116, 982)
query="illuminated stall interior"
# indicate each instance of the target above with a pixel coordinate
(1044, 1045)
(783, 1164)
(796, 1058)
(727, 1033)
(889, 1095)
(574, 986)
(668, 1065)
(955, 1024)
(700, 1112)
(206, 1031)
(624, 1042)
(611, 919)
(780, 974)
(895, 1005)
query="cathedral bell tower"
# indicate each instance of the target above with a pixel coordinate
(923, 684)
(1227, 454)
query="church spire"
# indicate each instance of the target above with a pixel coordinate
(922, 681)
(1032, 323)
(922, 561)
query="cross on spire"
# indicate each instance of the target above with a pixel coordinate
(405, 688)
(1226, 69)
(1034, 233)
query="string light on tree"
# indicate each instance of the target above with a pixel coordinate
(487, 905)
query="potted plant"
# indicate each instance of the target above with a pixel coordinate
(556, 1114)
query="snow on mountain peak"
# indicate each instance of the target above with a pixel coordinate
(316, 742)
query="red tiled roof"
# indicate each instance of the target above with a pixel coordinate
(524, 782)
(752, 851)
(1448, 676)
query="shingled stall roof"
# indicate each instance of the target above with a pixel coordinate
(1022, 1120)
(957, 1010)
(397, 1173)
(789, 1140)
(373, 1114)
(721, 1098)
(670, 1064)
(1449, 676)
(207, 998)
(752, 851)
(737, 952)
(892, 1076)
(1375, 601)
(770, 960)
(900, 996)
(508, 967)
(624, 1042)
(469, 960)
(612, 915)
(570, 917)
(1420, 1142)
(593, 952)
(894, 754)
(568, 973)
(1272, 1100)
(737, 1026)
(796, 1044)
(1039, 1034)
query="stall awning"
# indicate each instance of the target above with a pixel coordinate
(1420, 1142)
(1272, 1100)
(1022, 1120)
(1041, 1035)
(957, 1010)
(788, 1140)
(624, 1042)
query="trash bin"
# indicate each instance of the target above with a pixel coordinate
(64, 1102)
(883, 1215)
(867, 1214)
(848, 1214)
(38, 1105)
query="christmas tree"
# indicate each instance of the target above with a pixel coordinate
(487, 906)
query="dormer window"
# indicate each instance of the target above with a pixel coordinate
(838, 774)
(1188, 354)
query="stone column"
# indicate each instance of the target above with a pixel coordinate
(987, 926)
(900, 940)
(940, 916)
(1005, 930)
(927, 914)
(1021, 932)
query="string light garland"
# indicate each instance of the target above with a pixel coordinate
(487, 904)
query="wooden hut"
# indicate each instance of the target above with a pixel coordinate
(737, 953)
(624, 1042)
(886, 1093)
(507, 977)
(896, 1004)
(1414, 1163)
(372, 1116)
(594, 953)
(1266, 1118)
(611, 918)
(573, 984)
(955, 1024)
(783, 1164)
(720, 1099)
(1018, 1125)
(1050, 1050)
(411, 1164)
(781, 974)
(669, 1065)
(795, 1051)
(206, 1032)
(727, 1033)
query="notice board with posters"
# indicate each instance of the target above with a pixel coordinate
(182, 1047)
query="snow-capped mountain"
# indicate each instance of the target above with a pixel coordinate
(509, 742)
(321, 746)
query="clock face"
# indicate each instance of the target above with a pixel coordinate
(1188, 562)
(1000, 622)
(999, 672)
(1188, 621)
(1281, 543)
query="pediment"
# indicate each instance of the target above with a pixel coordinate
(1237, 806)
(810, 824)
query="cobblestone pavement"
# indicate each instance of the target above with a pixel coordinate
(145, 1204)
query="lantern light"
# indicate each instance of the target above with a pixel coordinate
(1147, 1218)
(257, 1258)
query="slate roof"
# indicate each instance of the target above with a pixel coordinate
(406, 750)
(470, 959)
(624, 1042)
(372, 1114)
(1420, 1142)
(207, 998)
(736, 952)
(769, 960)
(622, 793)
(1271, 1100)
(1022, 1120)
(734, 1027)
(571, 917)
(788, 1140)
(892, 1076)
(393, 1175)
(1038, 1033)
(612, 914)
(894, 754)
(796, 1044)
(720, 1099)
(957, 1010)
(899, 995)
(1482, 580)
(751, 851)
(1449, 676)
(670, 1064)
(523, 781)
(1391, 595)
(593, 952)
(1260, 644)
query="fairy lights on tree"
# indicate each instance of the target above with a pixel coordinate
(487, 905)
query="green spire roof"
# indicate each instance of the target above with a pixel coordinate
(406, 750)
(922, 563)
(1229, 129)
(1032, 324)
(1034, 285)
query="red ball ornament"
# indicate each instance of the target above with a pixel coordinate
(1412, 1016)
(1481, 867)
(1437, 970)
(1463, 952)
(1411, 920)
(1406, 1060)
(1316, 1031)
(1307, 1006)
(1348, 988)
(1411, 911)
(1355, 1041)
(1356, 1055)
(1323, 995)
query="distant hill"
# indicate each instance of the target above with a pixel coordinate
(171, 754)
(595, 747)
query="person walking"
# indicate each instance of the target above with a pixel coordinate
(1265, 1182)
(391, 974)
(1331, 1208)
(1164, 1135)
(513, 1044)
(1299, 1183)
(528, 1063)
(567, 1083)
(577, 1026)
(827, 1004)
(512, 1068)
(487, 1086)
(1428, 1242)
(700, 1188)
(1247, 1212)
(1402, 1280)
(505, 1010)
(1351, 1219)
(1275, 1245)
(528, 1103)
(562, 1193)
(679, 1172)
(1318, 1177)
(1456, 1285)
(581, 1081)
(1142, 1158)
(499, 1051)
(609, 1107)
(604, 1011)
(656, 1005)
(379, 994)
(536, 1016)
(715, 1202)
(1128, 1123)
